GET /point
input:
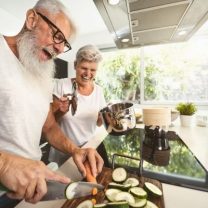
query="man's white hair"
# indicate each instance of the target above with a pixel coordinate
(54, 7)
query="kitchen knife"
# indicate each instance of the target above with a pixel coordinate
(57, 190)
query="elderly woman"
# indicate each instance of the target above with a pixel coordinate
(79, 121)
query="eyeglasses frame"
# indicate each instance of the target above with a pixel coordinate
(66, 43)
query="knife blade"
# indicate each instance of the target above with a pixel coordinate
(57, 190)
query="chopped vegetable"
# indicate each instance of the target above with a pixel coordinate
(118, 205)
(69, 192)
(119, 175)
(85, 204)
(132, 181)
(123, 187)
(93, 201)
(94, 191)
(138, 192)
(90, 177)
(152, 189)
(124, 196)
(100, 205)
(111, 193)
(150, 205)
(138, 203)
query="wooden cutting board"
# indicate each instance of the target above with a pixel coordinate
(105, 178)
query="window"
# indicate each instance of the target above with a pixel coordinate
(176, 72)
(119, 75)
(164, 74)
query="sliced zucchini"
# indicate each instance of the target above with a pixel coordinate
(124, 196)
(100, 205)
(69, 192)
(138, 203)
(123, 187)
(111, 194)
(152, 189)
(85, 204)
(132, 181)
(150, 205)
(118, 205)
(119, 175)
(138, 192)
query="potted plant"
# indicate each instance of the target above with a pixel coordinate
(186, 110)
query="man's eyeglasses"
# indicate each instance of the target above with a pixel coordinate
(58, 36)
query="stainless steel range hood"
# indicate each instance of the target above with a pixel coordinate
(149, 22)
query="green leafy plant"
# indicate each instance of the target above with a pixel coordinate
(186, 108)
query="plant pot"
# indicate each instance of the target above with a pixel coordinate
(186, 120)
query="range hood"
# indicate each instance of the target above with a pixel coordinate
(136, 23)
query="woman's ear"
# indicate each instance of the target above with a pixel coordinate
(31, 19)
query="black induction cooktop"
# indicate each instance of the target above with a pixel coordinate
(167, 159)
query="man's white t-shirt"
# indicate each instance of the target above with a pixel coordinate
(81, 126)
(24, 106)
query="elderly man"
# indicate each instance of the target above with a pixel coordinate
(26, 69)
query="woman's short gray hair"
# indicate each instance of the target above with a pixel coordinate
(88, 53)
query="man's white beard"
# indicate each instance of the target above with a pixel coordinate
(42, 71)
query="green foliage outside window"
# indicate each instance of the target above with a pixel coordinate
(119, 76)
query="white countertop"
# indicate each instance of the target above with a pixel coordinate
(196, 138)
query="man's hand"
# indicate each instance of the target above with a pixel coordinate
(25, 178)
(95, 160)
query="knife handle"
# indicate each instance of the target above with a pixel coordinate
(89, 176)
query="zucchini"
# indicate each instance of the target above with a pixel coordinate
(119, 175)
(118, 205)
(132, 181)
(123, 187)
(138, 192)
(150, 205)
(111, 194)
(85, 204)
(124, 196)
(100, 205)
(138, 203)
(152, 189)
(69, 192)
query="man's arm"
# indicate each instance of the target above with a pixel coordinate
(56, 138)
(25, 178)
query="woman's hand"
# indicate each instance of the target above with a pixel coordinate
(60, 106)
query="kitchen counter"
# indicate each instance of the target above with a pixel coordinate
(196, 138)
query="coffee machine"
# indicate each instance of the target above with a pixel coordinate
(155, 145)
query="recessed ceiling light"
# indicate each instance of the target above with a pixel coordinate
(113, 2)
(183, 32)
(125, 40)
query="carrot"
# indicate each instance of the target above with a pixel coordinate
(90, 177)
(94, 191)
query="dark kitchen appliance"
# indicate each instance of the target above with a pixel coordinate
(155, 147)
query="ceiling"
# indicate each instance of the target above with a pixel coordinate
(144, 22)
(91, 27)
(136, 23)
